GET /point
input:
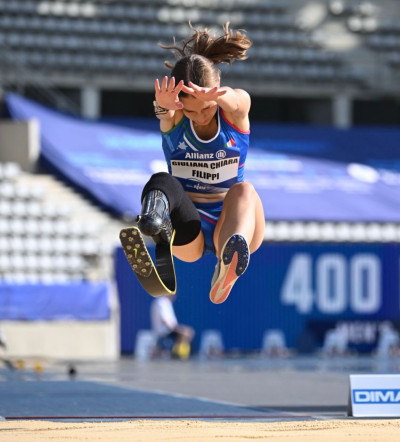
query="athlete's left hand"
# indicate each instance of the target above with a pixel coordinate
(204, 93)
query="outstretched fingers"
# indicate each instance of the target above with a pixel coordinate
(179, 86)
(167, 93)
(203, 92)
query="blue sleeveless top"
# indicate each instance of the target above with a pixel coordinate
(211, 166)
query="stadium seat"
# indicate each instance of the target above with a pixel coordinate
(5, 228)
(274, 344)
(335, 343)
(282, 231)
(5, 244)
(388, 342)
(312, 231)
(6, 209)
(7, 190)
(31, 262)
(19, 209)
(17, 226)
(5, 263)
(211, 344)
(60, 245)
(17, 262)
(145, 344)
(297, 231)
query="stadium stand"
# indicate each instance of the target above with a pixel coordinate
(117, 41)
(52, 230)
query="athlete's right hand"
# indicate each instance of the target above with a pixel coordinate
(167, 95)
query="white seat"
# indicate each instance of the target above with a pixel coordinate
(37, 192)
(89, 247)
(50, 211)
(45, 263)
(5, 244)
(297, 231)
(5, 263)
(389, 342)
(389, 232)
(327, 232)
(19, 278)
(343, 232)
(61, 278)
(274, 343)
(47, 227)
(31, 262)
(63, 211)
(34, 209)
(17, 226)
(47, 278)
(32, 277)
(358, 232)
(74, 245)
(31, 244)
(60, 245)
(211, 344)
(75, 263)
(60, 263)
(19, 209)
(335, 342)
(75, 276)
(5, 228)
(31, 227)
(61, 228)
(45, 245)
(282, 230)
(6, 208)
(312, 231)
(145, 344)
(16, 244)
(22, 192)
(11, 171)
(17, 262)
(76, 229)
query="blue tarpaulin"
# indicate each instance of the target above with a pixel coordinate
(300, 174)
(75, 301)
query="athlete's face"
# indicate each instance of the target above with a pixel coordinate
(200, 112)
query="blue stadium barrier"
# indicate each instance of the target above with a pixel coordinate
(302, 289)
(74, 301)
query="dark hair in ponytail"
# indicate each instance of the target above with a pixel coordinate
(199, 55)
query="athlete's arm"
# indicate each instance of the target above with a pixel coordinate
(167, 102)
(236, 106)
(235, 102)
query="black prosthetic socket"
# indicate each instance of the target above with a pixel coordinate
(182, 212)
(154, 220)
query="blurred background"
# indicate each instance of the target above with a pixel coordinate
(78, 140)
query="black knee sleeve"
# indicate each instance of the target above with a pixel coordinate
(184, 216)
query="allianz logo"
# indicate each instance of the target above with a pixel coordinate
(376, 396)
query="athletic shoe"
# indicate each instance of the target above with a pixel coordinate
(235, 257)
(154, 220)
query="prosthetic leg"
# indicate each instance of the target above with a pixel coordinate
(169, 217)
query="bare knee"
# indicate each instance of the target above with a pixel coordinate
(243, 191)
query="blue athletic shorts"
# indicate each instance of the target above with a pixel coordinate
(209, 214)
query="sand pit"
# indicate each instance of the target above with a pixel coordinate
(193, 431)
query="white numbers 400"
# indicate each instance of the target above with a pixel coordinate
(339, 284)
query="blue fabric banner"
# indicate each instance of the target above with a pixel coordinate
(301, 289)
(80, 301)
(300, 174)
